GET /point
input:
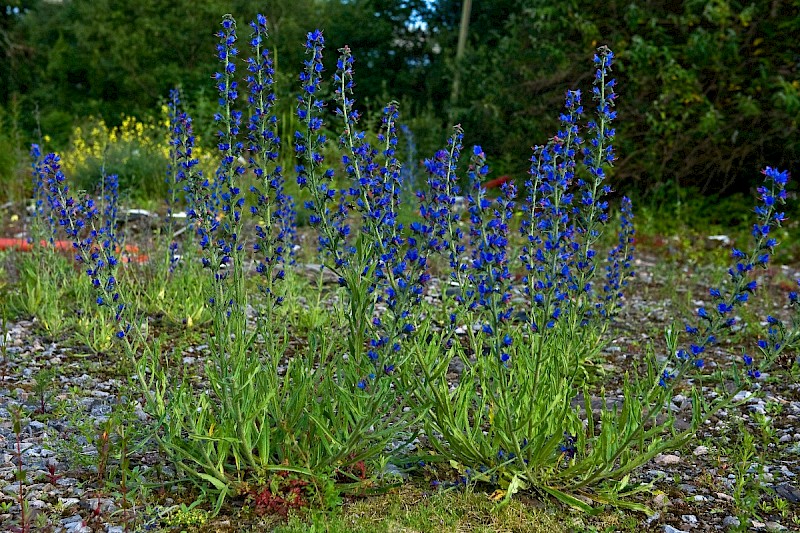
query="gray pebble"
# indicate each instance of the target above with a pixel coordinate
(669, 459)
(100, 409)
(730, 522)
(653, 518)
(700, 450)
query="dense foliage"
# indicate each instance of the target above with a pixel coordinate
(297, 402)
(714, 89)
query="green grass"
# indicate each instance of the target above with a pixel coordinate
(410, 509)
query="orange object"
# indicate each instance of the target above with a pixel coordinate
(493, 184)
(22, 245)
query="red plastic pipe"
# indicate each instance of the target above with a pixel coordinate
(22, 245)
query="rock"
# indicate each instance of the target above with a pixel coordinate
(392, 471)
(37, 503)
(12, 489)
(139, 412)
(700, 450)
(668, 459)
(74, 524)
(718, 240)
(788, 492)
(742, 395)
(654, 474)
(105, 505)
(661, 500)
(730, 522)
(100, 410)
(456, 365)
(652, 518)
(689, 518)
(670, 529)
(775, 526)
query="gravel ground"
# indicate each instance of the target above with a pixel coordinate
(62, 446)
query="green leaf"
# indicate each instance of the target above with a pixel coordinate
(568, 499)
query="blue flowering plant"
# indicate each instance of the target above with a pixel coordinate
(233, 417)
(181, 143)
(274, 208)
(176, 286)
(261, 413)
(619, 263)
(521, 313)
(381, 272)
(521, 415)
(781, 340)
(43, 227)
(43, 272)
(526, 344)
(92, 230)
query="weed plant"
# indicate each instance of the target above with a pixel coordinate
(286, 423)
(20, 475)
(175, 286)
(44, 273)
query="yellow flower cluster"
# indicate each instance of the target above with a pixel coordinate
(143, 138)
(93, 140)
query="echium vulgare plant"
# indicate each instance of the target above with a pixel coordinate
(179, 288)
(233, 417)
(273, 207)
(720, 318)
(178, 150)
(471, 424)
(93, 235)
(375, 266)
(254, 420)
(43, 226)
(531, 425)
(43, 272)
(384, 267)
(619, 263)
(781, 340)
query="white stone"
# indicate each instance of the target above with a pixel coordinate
(700, 450)
(668, 459)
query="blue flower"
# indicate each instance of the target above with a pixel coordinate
(619, 261)
(276, 229)
(488, 276)
(771, 194)
(665, 378)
